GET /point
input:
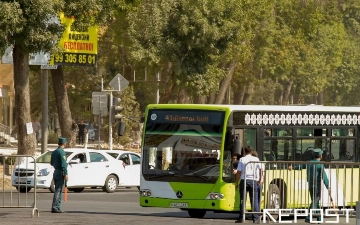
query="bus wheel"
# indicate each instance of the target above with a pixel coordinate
(196, 213)
(274, 197)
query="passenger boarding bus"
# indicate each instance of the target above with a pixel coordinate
(187, 149)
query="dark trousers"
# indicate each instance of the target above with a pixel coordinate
(59, 186)
(253, 189)
(81, 139)
(315, 194)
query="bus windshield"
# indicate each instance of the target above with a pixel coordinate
(184, 152)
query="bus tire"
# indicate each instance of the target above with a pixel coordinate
(274, 197)
(196, 213)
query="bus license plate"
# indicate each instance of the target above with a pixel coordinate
(179, 205)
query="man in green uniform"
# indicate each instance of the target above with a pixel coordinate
(315, 175)
(58, 161)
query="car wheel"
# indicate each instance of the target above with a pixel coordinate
(23, 189)
(52, 186)
(78, 190)
(111, 184)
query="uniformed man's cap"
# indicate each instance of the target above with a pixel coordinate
(62, 140)
(317, 152)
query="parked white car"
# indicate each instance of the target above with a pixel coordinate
(131, 163)
(86, 168)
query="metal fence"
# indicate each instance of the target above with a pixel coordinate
(288, 184)
(19, 171)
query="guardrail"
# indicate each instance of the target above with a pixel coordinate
(23, 178)
(286, 190)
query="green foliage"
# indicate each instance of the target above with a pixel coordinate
(189, 34)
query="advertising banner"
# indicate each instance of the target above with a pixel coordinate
(79, 47)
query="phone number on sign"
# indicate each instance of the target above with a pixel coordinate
(75, 59)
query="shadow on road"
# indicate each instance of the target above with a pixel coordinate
(181, 214)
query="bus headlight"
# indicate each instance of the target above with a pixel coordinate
(145, 193)
(215, 195)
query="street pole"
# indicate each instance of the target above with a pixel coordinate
(110, 122)
(99, 126)
(45, 110)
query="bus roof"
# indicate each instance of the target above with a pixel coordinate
(261, 108)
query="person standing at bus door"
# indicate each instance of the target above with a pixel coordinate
(315, 176)
(251, 185)
(235, 162)
(58, 161)
(81, 134)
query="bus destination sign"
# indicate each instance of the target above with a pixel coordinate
(186, 117)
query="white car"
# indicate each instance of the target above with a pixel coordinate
(131, 163)
(86, 168)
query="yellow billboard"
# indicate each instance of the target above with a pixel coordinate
(79, 47)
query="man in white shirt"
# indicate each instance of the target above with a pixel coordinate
(254, 177)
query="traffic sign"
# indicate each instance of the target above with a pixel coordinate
(119, 83)
(100, 103)
(48, 67)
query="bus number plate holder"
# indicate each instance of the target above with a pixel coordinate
(179, 205)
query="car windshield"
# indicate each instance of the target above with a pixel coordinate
(113, 154)
(46, 158)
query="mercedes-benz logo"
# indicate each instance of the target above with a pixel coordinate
(179, 194)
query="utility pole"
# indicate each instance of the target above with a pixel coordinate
(110, 122)
(44, 110)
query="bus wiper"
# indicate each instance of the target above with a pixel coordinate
(206, 178)
(171, 174)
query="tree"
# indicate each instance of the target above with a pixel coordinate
(186, 40)
(29, 27)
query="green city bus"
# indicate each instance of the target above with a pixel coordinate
(187, 149)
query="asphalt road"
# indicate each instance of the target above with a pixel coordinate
(97, 207)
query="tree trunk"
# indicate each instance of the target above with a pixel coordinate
(62, 103)
(247, 92)
(279, 96)
(168, 84)
(239, 94)
(200, 99)
(314, 99)
(297, 94)
(287, 91)
(183, 97)
(26, 142)
(211, 98)
(224, 84)
(320, 98)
